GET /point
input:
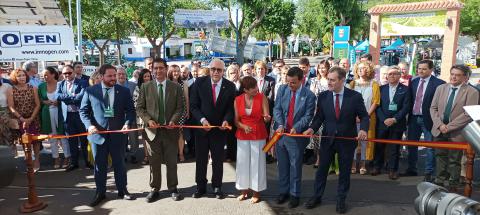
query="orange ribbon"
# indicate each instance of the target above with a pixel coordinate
(430, 144)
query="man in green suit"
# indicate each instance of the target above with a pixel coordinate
(160, 103)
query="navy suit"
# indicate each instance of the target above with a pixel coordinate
(402, 103)
(92, 114)
(289, 150)
(418, 124)
(346, 126)
(3, 80)
(73, 124)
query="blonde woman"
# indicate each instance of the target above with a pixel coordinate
(365, 84)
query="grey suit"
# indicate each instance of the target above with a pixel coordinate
(132, 136)
(162, 143)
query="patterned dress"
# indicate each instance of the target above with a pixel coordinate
(317, 86)
(24, 104)
(183, 118)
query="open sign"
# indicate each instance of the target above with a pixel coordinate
(17, 39)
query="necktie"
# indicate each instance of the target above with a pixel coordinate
(161, 105)
(106, 98)
(214, 94)
(418, 99)
(337, 106)
(291, 108)
(448, 108)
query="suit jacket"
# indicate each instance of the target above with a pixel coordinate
(268, 90)
(85, 78)
(201, 101)
(92, 111)
(131, 86)
(147, 105)
(466, 95)
(70, 99)
(3, 80)
(346, 126)
(402, 99)
(303, 110)
(427, 98)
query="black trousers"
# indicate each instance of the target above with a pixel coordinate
(213, 142)
(74, 125)
(231, 144)
(391, 150)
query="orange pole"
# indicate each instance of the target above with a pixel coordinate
(469, 172)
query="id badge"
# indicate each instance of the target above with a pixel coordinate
(392, 107)
(108, 112)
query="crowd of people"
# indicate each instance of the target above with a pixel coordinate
(241, 107)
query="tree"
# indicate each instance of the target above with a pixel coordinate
(278, 21)
(253, 13)
(312, 21)
(148, 17)
(470, 21)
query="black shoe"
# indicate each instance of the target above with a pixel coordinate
(341, 207)
(375, 172)
(294, 202)
(218, 193)
(90, 166)
(153, 196)
(176, 196)
(270, 159)
(198, 194)
(408, 173)
(133, 160)
(125, 195)
(99, 197)
(71, 168)
(313, 202)
(315, 166)
(428, 178)
(282, 198)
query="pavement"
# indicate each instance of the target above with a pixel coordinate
(70, 193)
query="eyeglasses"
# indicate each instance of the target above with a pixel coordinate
(159, 68)
(219, 70)
(67, 73)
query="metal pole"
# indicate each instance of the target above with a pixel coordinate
(237, 29)
(70, 12)
(79, 31)
(163, 34)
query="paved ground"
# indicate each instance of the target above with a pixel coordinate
(69, 193)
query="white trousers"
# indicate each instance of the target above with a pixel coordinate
(54, 143)
(251, 165)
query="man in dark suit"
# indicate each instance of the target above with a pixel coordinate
(211, 103)
(392, 113)
(108, 106)
(70, 93)
(293, 111)
(78, 70)
(304, 65)
(160, 103)
(419, 121)
(338, 110)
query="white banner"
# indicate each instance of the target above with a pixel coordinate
(36, 43)
(89, 70)
(201, 18)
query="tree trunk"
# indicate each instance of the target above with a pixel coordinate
(478, 47)
(101, 57)
(241, 50)
(119, 52)
(282, 46)
(270, 51)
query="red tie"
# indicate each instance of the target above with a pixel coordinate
(337, 106)
(214, 94)
(291, 108)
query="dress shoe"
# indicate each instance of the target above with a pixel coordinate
(393, 175)
(341, 207)
(270, 159)
(176, 196)
(294, 202)
(133, 160)
(408, 174)
(125, 195)
(153, 196)
(71, 168)
(99, 197)
(313, 202)
(428, 178)
(218, 193)
(198, 194)
(282, 198)
(89, 166)
(375, 172)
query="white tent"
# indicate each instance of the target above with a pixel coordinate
(31, 12)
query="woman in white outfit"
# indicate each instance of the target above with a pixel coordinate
(251, 113)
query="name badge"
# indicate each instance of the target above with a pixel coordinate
(108, 112)
(392, 107)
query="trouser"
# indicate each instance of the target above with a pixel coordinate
(231, 145)
(448, 164)
(251, 165)
(74, 125)
(289, 151)
(133, 142)
(391, 150)
(163, 149)
(415, 129)
(212, 141)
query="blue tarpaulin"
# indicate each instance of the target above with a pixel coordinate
(395, 46)
(362, 47)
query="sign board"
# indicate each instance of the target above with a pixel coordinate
(341, 33)
(36, 43)
(89, 70)
(201, 18)
(227, 46)
(340, 50)
(193, 34)
(426, 23)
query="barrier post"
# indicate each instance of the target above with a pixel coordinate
(469, 171)
(33, 203)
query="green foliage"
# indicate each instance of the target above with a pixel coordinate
(470, 18)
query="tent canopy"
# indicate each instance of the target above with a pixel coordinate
(394, 46)
(362, 47)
